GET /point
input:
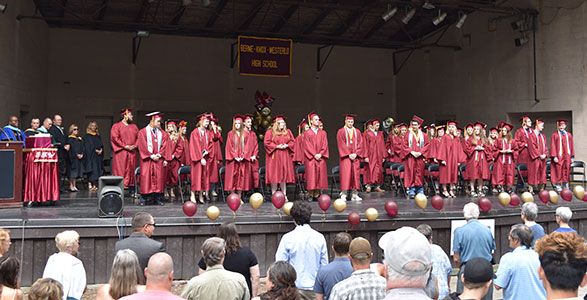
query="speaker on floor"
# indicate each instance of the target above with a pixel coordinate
(110, 196)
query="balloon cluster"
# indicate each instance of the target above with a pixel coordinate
(262, 117)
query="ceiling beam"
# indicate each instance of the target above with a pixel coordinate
(285, 17)
(141, 12)
(178, 15)
(219, 8)
(102, 11)
(380, 22)
(244, 25)
(352, 18)
(323, 14)
(63, 4)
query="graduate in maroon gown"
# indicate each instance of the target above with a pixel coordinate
(492, 142)
(253, 150)
(215, 159)
(279, 149)
(522, 137)
(298, 156)
(350, 149)
(315, 153)
(152, 144)
(414, 150)
(505, 154)
(448, 154)
(238, 167)
(478, 151)
(173, 157)
(200, 148)
(364, 171)
(562, 152)
(538, 151)
(390, 142)
(185, 154)
(123, 137)
(376, 153)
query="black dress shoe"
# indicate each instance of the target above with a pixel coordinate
(29, 204)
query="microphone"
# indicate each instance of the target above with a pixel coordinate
(4, 132)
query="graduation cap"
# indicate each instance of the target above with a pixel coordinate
(524, 118)
(468, 125)
(480, 124)
(493, 129)
(417, 119)
(303, 123)
(539, 121)
(440, 127)
(248, 116)
(312, 114)
(237, 117)
(452, 122)
(320, 121)
(508, 126)
(155, 115)
(373, 121)
(432, 125)
(561, 121)
(400, 125)
(459, 129)
(125, 111)
(369, 122)
(350, 116)
(171, 121)
(183, 123)
(203, 116)
(278, 118)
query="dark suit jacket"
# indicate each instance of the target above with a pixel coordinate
(143, 246)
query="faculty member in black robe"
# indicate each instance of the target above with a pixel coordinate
(76, 156)
(94, 155)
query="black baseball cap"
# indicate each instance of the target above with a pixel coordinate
(478, 270)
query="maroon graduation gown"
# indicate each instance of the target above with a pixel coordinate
(124, 162)
(152, 172)
(504, 167)
(561, 147)
(238, 174)
(253, 150)
(536, 166)
(349, 170)
(414, 167)
(376, 150)
(450, 151)
(477, 163)
(200, 141)
(316, 173)
(278, 162)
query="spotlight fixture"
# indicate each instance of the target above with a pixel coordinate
(142, 34)
(441, 16)
(409, 15)
(519, 42)
(389, 14)
(461, 21)
(428, 5)
(518, 25)
(3, 8)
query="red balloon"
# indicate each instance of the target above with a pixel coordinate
(233, 201)
(324, 202)
(278, 199)
(567, 194)
(485, 204)
(437, 202)
(354, 218)
(544, 196)
(391, 208)
(515, 199)
(190, 208)
(585, 197)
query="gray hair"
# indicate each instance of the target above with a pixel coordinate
(213, 251)
(530, 211)
(523, 234)
(407, 280)
(564, 213)
(426, 230)
(471, 211)
(66, 240)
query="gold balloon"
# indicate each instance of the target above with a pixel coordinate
(287, 208)
(371, 214)
(553, 197)
(504, 199)
(527, 197)
(261, 136)
(266, 111)
(212, 212)
(265, 124)
(421, 201)
(579, 192)
(256, 200)
(339, 205)
(268, 118)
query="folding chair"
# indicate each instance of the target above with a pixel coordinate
(462, 184)
(392, 169)
(520, 168)
(221, 172)
(262, 181)
(433, 168)
(300, 181)
(400, 169)
(183, 170)
(335, 173)
(578, 164)
(137, 184)
(387, 177)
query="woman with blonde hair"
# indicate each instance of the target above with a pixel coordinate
(76, 155)
(478, 152)
(173, 158)
(279, 148)
(237, 173)
(4, 241)
(94, 155)
(125, 278)
(505, 158)
(65, 267)
(45, 289)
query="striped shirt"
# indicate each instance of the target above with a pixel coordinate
(361, 285)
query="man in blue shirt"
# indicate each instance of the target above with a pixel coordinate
(529, 214)
(563, 216)
(517, 274)
(441, 266)
(304, 248)
(472, 240)
(338, 270)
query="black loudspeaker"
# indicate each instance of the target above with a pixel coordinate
(110, 196)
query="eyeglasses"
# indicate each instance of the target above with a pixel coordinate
(75, 129)
(151, 224)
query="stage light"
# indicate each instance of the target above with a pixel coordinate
(461, 21)
(142, 34)
(3, 8)
(428, 5)
(441, 16)
(406, 19)
(389, 14)
(205, 2)
(519, 24)
(519, 42)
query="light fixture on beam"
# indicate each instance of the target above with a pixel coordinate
(409, 15)
(462, 19)
(441, 16)
(142, 34)
(389, 13)
(428, 5)
(519, 24)
(519, 42)
(3, 8)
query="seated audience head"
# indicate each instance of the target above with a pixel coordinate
(4, 241)
(478, 274)
(563, 263)
(67, 242)
(45, 289)
(301, 212)
(471, 211)
(360, 253)
(227, 231)
(563, 215)
(213, 251)
(341, 244)
(159, 271)
(520, 235)
(407, 258)
(143, 222)
(281, 281)
(126, 274)
(9, 268)
(529, 211)
(425, 230)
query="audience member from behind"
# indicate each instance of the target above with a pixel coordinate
(143, 226)
(363, 284)
(472, 240)
(517, 274)
(45, 289)
(216, 282)
(407, 262)
(125, 278)
(65, 267)
(304, 248)
(4, 241)
(529, 215)
(339, 269)
(159, 274)
(563, 264)
(237, 258)
(441, 266)
(9, 279)
(563, 216)
(477, 276)
(280, 283)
